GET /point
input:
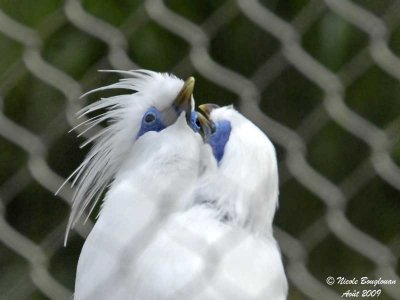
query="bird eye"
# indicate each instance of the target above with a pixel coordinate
(149, 118)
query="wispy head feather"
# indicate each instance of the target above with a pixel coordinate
(123, 115)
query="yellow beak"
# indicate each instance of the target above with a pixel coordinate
(183, 101)
(208, 108)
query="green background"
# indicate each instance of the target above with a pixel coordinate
(241, 46)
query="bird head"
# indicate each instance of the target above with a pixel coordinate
(155, 102)
(246, 166)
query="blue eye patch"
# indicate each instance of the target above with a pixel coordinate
(151, 121)
(219, 137)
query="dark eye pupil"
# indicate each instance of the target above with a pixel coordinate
(198, 123)
(149, 118)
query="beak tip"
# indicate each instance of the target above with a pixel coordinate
(183, 100)
(208, 108)
(189, 84)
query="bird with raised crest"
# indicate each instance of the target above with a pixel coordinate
(189, 201)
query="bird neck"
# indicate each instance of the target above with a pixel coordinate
(153, 182)
(246, 200)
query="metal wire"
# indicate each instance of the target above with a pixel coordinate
(295, 165)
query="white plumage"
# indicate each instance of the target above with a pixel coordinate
(113, 143)
(178, 221)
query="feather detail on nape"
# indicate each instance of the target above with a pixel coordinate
(111, 144)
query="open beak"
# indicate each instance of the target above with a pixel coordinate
(206, 125)
(183, 101)
(208, 108)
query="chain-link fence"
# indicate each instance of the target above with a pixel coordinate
(321, 78)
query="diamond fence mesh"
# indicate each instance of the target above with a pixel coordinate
(321, 78)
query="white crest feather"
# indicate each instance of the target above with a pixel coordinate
(112, 143)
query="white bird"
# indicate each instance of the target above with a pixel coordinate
(243, 195)
(149, 158)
